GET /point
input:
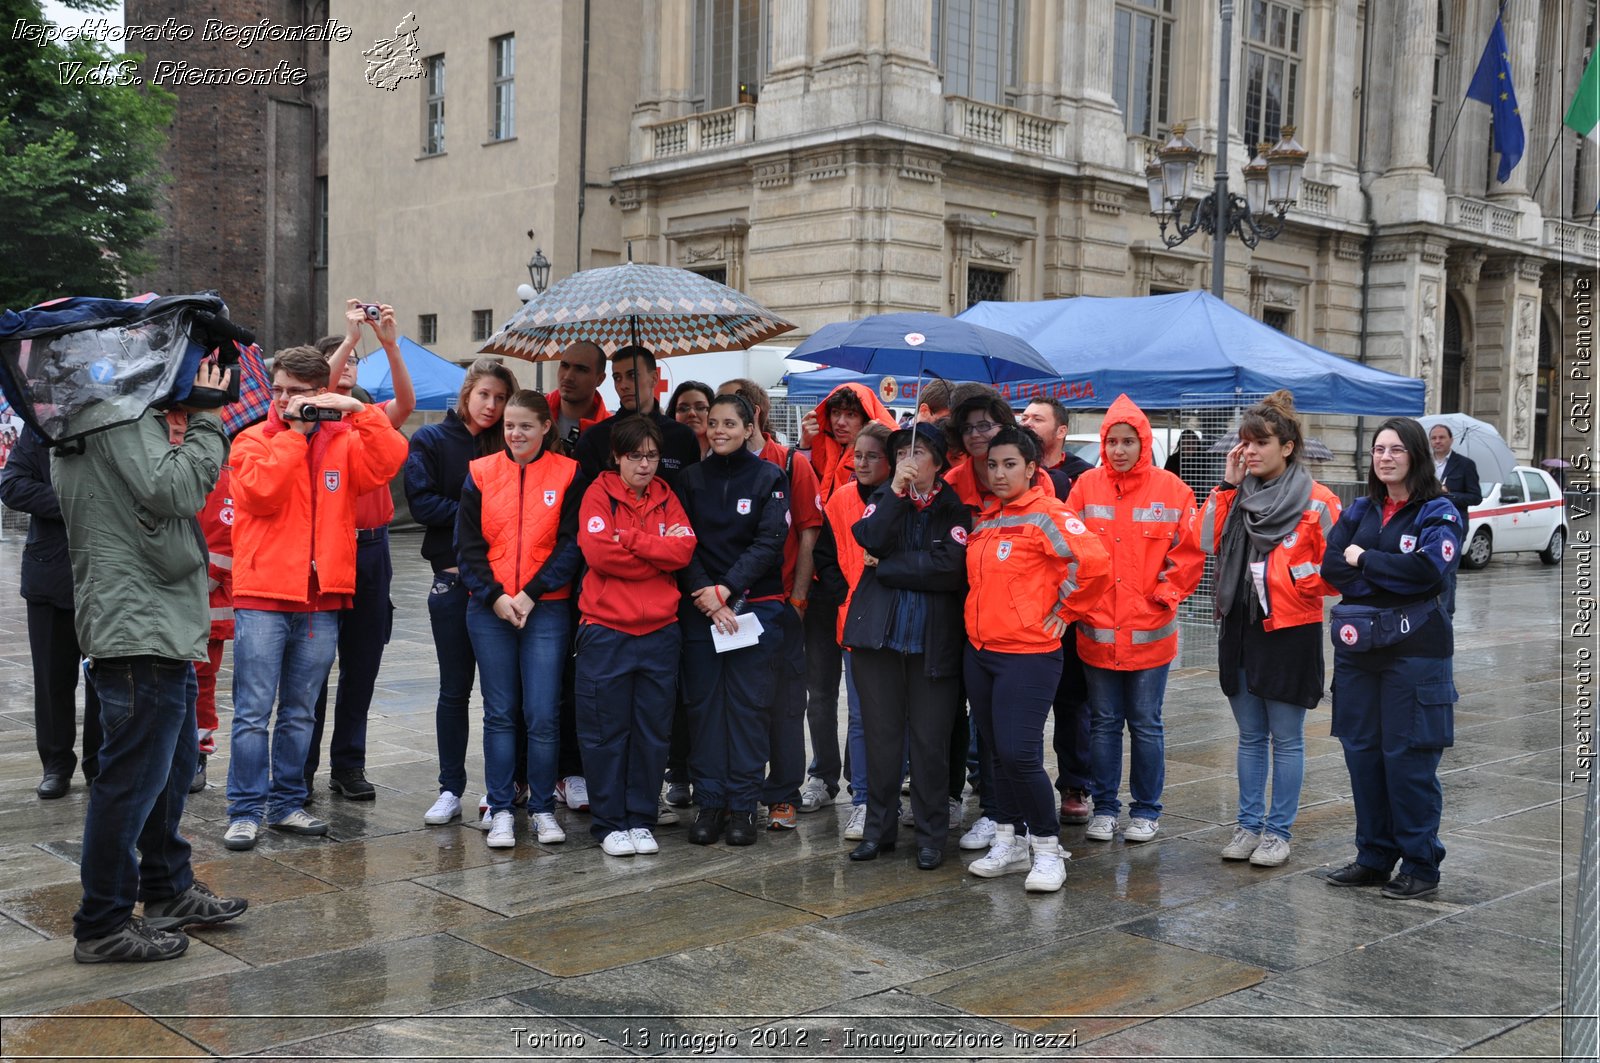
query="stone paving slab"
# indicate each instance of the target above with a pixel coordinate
(84, 1031)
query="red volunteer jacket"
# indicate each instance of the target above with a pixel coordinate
(1295, 587)
(630, 586)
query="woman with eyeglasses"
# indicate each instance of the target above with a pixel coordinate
(436, 467)
(690, 402)
(516, 533)
(635, 537)
(1392, 555)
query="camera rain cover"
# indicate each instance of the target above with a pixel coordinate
(75, 366)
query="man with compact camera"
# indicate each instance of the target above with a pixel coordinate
(296, 478)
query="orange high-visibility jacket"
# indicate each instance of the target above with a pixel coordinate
(521, 515)
(1028, 559)
(1145, 519)
(836, 465)
(295, 501)
(1295, 587)
(842, 511)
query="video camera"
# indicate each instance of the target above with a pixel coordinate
(311, 414)
(71, 367)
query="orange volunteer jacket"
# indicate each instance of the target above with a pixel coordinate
(836, 465)
(295, 502)
(510, 522)
(843, 510)
(631, 586)
(1028, 559)
(1144, 517)
(1295, 587)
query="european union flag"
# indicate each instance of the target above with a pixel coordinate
(1492, 85)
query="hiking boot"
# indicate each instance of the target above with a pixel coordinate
(1075, 807)
(301, 822)
(814, 794)
(1272, 851)
(442, 811)
(198, 783)
(741, 828)
(502, 831)
(980, 836)
(242, 834)
(352, 785)
(550, 831)
(196, 906)
(1007, 854)
(856, 829)
(136, 942)
(1241, 845)
(1049, 871)
(708, 826)
(781, 816)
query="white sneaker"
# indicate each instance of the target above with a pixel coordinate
(1272, 851)
(1101, 828)
(1140, 830)
(666, 816)
(618, 843)
(955, 814)
(573, 791)
(644, 843)
(856, 829)
(1007, 855)
(981, 834)
(502, 831)
(242, 834)
(445, 809)
(549, 830)
(814, 794)
(1049, 872)
(1241, 845)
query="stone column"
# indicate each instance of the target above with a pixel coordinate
(1095, 132)
(1409, 84)
(1505, 350)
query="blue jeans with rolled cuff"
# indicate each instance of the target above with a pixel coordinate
(1130, 699)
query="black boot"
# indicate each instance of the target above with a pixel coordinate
(741, 828)
(708, 826)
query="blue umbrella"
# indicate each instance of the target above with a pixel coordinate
(914, 344)
(436, 381)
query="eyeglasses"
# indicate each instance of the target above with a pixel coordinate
(289, 393)
(867, 459)
(1393, 452)
(979, 428)
(697, 407)
(637, 457)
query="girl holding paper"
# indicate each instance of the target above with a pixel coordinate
(738, 506)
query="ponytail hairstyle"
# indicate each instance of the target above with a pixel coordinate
(1273, 416)
(536, 403)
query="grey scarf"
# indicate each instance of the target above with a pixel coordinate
(1260, 518)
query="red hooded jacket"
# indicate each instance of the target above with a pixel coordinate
(1144, 517)
(835, 464)
(630, 586)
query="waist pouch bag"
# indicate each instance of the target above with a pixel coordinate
(1374, 627)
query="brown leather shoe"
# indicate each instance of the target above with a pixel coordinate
(1075, 807)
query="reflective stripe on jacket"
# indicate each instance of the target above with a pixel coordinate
(1027, 560)
(1145, 519)
(1295, 587)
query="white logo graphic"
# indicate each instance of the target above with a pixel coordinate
(1004, 551)
(1075, 526)
(743, 506)
(392, 61)
(1290, 539)
(818, 499)
(915, 339)
(1448, 549)
(872, 507)
(330, 479)
(1157, 508)
(1408, 543)
(959, 534)
(1348, 635)
(549, 498)
(661, 527)
(225, 514)
(597, 525)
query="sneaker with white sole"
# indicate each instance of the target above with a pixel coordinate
(981, 834)
(549, 830)
(573, 791)
(644, 843)
(1241, 845)
(1007, 855)
(136, 942)
(955, 814)
(814, 794)
(442, 811)
(1272, 851)
(1101, 828)
(195, 906)
(242, 834)
(856, 829)
(1049, 872)
(618, 843)
(301, 822)
(1140, 829)
(667, 816)
(502, 831)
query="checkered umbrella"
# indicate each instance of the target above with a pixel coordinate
(669, 311)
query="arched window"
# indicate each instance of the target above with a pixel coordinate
(1453, 360)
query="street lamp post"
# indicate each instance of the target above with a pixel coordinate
(1271, 181)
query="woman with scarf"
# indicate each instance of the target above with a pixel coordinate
(1267, 524)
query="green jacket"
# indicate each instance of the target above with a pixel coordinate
(138, 559)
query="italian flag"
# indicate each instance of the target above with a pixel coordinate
(1584, 114)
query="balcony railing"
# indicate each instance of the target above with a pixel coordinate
(1482, 217)
(702, 132)
(1577, 243)
(1316, 197)
(1004, 127)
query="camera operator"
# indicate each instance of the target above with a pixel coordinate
(129, 500)
(296, 479)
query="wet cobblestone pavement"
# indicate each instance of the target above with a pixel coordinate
(388, 939)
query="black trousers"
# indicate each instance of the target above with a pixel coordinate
(53, 642)
(364, 631)
(899, 701)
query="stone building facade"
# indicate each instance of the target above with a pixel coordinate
(838, 158)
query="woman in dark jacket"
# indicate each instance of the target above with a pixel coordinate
(904, 632)
(47, 588)
(1393, 555)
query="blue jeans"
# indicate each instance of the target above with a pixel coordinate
(520, 674)
(147, 760)
(1133, 700)
(855, 738)
(1260, 719)
(447, 615)
(282, 657)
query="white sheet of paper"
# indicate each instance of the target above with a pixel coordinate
(747, 634)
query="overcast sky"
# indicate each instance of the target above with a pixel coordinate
(63, 15)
